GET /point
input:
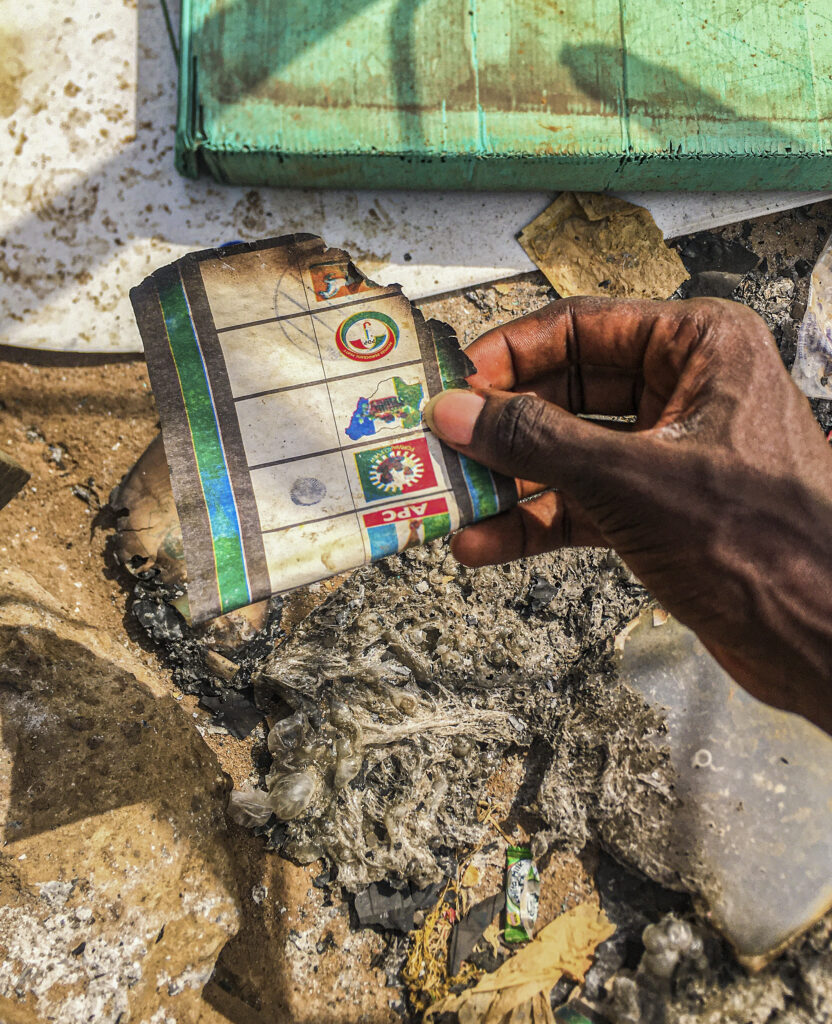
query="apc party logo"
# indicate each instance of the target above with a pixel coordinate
(395, 469)
(366, 337)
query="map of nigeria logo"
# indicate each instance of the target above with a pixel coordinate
(367, 336)
(395, 404)
(395, 469)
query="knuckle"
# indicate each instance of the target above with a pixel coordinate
(521, 426)
(731, 327)
(721, 313)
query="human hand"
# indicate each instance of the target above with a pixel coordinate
(718, 496)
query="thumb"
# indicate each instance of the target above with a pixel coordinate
(524, 436)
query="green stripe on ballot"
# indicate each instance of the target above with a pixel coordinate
(232, 579)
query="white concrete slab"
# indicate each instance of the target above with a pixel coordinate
(91, 202)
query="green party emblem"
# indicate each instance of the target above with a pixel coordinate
(366, 337)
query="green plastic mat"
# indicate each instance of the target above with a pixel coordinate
(508, 94)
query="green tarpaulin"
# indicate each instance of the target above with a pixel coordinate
(527, 94)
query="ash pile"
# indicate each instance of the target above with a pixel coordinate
(390, 706)
(396, 701)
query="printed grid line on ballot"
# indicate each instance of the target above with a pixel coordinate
(290, 390)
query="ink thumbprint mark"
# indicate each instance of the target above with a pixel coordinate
(307, 490)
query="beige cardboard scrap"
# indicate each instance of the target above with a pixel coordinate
(565, 946)
(591, 244)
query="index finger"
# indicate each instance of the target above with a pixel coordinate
(595, 334)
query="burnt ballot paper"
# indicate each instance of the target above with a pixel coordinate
(290, 390)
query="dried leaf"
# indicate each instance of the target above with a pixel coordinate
(491, 935)
(565, 946)
(542, 1009)
(471, 877)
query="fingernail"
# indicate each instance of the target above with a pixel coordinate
(452, 415)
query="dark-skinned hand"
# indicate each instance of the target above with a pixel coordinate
(718, 496)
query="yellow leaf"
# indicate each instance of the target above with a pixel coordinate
(565, 946)
(471, 876)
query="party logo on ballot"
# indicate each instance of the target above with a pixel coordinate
(365, 337)
(395, 469)
(394, 529)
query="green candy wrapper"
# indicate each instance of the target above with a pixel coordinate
(578, 1012)
(522, 894)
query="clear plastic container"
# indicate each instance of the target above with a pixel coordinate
(812, 370)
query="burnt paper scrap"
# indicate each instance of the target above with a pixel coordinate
(290, 390)
(591, 244)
